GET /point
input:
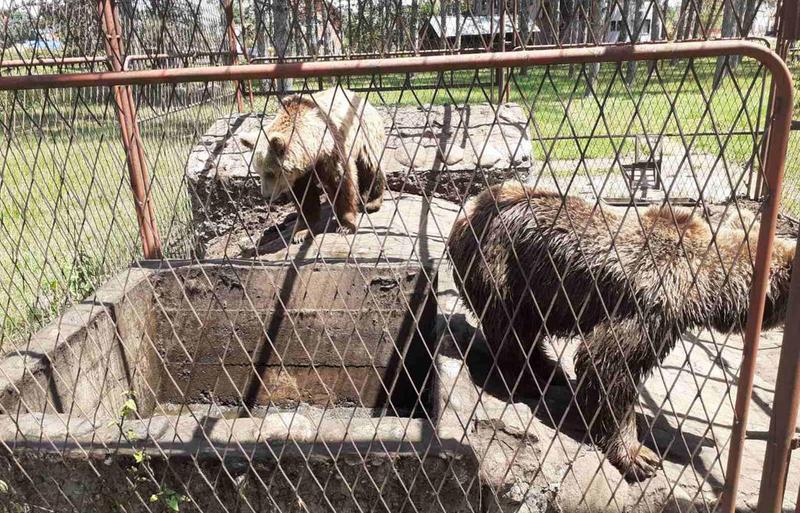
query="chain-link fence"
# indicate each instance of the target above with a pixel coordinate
(443, 282)
(67, 36)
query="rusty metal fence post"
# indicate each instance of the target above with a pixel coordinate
(131, 138)
(787, 394)
(773, 167)
(247, 54)
(777, 145)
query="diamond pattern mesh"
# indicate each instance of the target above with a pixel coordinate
(462, 290)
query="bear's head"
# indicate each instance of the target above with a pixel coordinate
(281, 153)
(277, 172)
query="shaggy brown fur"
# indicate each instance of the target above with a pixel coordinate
(531, 264)
(335, 139)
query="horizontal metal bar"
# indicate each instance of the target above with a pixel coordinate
(366, 55)
(54, 61)
(616, 53)
(65, 61)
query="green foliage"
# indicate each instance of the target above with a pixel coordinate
(139, 456)
(127, 411)
(19, 28)
(140, 471)
(171, 499)
(128, 407)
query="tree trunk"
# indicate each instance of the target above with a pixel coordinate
(656, 26)
(457, 12)
(688, 22)
(729, 29)
(311, 36)
(751, 8)
(443, 43)
(569, 35)
(280, 37)
(684, 20)
(655, 21)
(599, 8)
(361, 32)
(260, 7)
(630, 75)
(555, 16)
(443, 22)
(400, 41)
(624, 30)
(523, 19)
(749, 16)
(698, 21)
(326, 41)
(316, 18)
(415, 24)
(582, 21)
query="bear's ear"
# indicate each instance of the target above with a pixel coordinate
(288, 100)
(250, 138)
(277, 143)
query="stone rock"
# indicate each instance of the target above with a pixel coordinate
(592, 485)
(402, 156)
(416, 154)
(659, 494)
(451, 155)
(422, 144)
(489, 157)
(282, 425)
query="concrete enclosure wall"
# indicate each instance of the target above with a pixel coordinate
(291, 359)
(316, 333)
(89, 358)
(241, 335)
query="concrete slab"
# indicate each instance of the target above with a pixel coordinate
(430, 138)
(685, 177)
(407, 228)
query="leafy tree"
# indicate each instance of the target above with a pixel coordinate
(18, 27)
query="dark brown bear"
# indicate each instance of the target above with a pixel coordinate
(530, 264)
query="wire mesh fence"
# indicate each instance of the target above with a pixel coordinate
(504, 288)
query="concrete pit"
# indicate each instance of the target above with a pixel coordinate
(244, 370)
(236, 336)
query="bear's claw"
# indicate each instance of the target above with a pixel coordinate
(641, 464)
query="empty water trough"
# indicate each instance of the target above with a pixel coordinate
(229, 340)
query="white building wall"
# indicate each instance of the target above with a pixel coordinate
(616, 25)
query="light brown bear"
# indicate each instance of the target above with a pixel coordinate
(530, 264)
(333, 138)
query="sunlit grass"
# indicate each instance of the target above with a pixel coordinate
(67, 217)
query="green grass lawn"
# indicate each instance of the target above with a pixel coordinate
(66, 214)
(67, 218)
(790, 200)
(670, 99)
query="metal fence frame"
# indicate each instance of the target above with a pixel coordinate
(788, 385)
